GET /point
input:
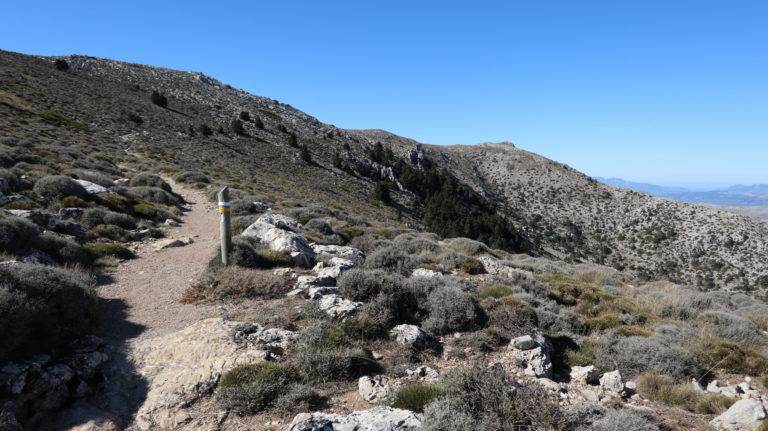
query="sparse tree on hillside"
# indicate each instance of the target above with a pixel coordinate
(61, 65)
(245, 116)
(259, 123)
(237, 127)
(293, 141)
(305, 155)
(205, 130)
(381, 192)
(159, 99)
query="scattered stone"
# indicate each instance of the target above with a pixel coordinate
(713, 388)
(318, 292)
(423, 372)
(92, 188)
(283, 271)
(343, 252)
(170, 243)
(535, 361)
(744, 415)
(585, 375)
(410, 335)
(261, 206)
(375, 419)
(525, 342)
(426, 273)
(377, 356)
(376, 389)
(612, 382)
(338, 307)
(171, 223)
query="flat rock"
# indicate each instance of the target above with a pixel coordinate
(92, 188)
(338, 307)
(181, 367)
(525, 342)
(744, 415)
(410, 335)
(375, 419)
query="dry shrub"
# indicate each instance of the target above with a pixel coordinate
(234, 282)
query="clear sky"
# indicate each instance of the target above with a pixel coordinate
(671, 92)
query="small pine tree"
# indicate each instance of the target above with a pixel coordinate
(381, 192)
(305, 155)
(337, 162)
(293, 141)
(259, 123)
(159, 99)
(245, 116)
(237, 127)
(61, 65)
(282, 128)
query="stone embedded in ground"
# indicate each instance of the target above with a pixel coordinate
(375, 419)
(171, 243)
(92, 188)
(426, 273)
(376, 389)
(340, 251)
(744, 415)
(183, 366)
(338, 307)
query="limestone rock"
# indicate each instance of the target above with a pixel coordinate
(92, 188)
(535, 361)
(410, 335)
(338, 307)
(375, 419)
(170, 243)
(585, 375)
(612, 382)
(183, 366)
(744, 415)
(426, 273)
(277, 231)
(375, 389)
(343, 252)
(318, 292)
(524, 343)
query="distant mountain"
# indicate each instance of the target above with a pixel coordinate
(643, 187)
(735, 196)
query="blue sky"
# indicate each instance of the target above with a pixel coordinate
(667, 92)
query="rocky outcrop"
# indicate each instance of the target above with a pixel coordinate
(343, 252)
(183, 366)
(744, 415)
(426, 273)
(533, 355)
(338, 307)
(585, 375)
(612, 382)
(278, 233)
(170, 243)
(375, 419)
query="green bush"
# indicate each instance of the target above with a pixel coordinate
(92, 217)
(104, 249)
(509, 315)
(237, 126)
(44, 308)
(63, 250)
(623, 420)
(191, 177)
(17, 234)
(711, 352)
(415, 396)
(59, 186)
(349, 233)
(110, 231)
(96, 178)
(450, 310)
(656, 387)
(393, 259)
(154, 195)
(10, 179)
(581, 356)
(149, 180)
(498, 291)
(297, 399)
(473, 266)
(22, 205)
(713, 404)
(445, 414)
(603, 322)
(635, 355)
(334, 364)
(362, 285)
(245, 115)
(262, 372)
(61, 64)
(73, 202)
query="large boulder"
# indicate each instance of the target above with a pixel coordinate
(585, 375)
(278, 233)
(337, 306)
(535, 360)
(612, 382)
(375, 419)
(181, 367)
(744, 415)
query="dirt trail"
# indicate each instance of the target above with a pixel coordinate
(142, 299)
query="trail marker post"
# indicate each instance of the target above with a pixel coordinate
(226, 225)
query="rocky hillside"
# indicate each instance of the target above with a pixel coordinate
(193, 122)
